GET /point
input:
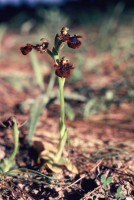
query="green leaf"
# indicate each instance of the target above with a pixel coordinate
(69, 111)
(119, 194)
(36, 111)
(105, 186)
(91, 107)
(7, 164)
(16, 141)
(50, 53)
(57, 42)
(54, 51)
(37, 70)
(55, 54)
(119, 189)
(105, 181)
(109, 180)
(58, 45)
(122, 196)
(103, 178)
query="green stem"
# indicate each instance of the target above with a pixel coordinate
(16, 141)
(50, 53)
(62, 126)
(61, 82)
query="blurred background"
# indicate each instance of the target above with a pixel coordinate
(99, 94)
(26, 9)
(103, 77)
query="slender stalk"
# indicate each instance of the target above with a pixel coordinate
(62, 106)
(62, 127)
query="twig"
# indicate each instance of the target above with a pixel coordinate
(97, 164)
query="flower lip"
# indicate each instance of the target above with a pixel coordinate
(74, 42)
(63, 68)
(73, 39)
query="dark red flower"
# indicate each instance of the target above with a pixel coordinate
(26, 49)
(73, 41)
(38, 47)
(64, 38)
(42, 47)
(63, 68)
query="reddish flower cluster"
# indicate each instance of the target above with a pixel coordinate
(72, 41)
(38, 47)
(63, 68)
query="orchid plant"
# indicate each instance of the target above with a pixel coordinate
(63, 69)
